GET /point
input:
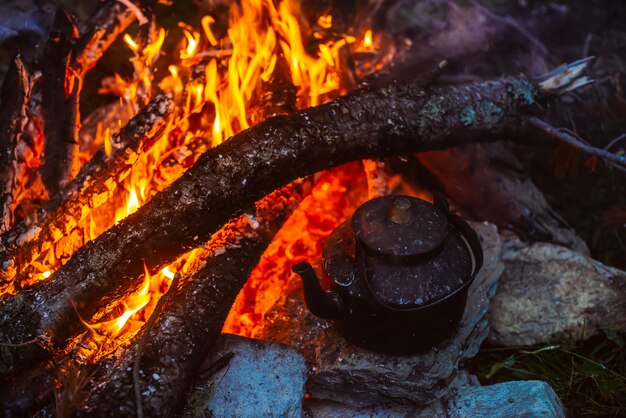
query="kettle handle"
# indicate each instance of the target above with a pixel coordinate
(472, 241)
(470, 236)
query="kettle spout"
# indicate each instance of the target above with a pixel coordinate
(322, 303)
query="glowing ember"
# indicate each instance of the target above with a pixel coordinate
(168, 273)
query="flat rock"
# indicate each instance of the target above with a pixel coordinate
(548, 292)
(349, 374)
(531, 398)
(247, 378)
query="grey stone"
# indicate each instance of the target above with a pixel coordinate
(503, 400)
(22, 17)
(548, 292)
(250, 378)
(349, 374)
(530, 398)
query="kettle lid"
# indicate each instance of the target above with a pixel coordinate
(399, 227)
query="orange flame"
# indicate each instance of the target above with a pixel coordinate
(262, 38)
(368, 43)
(133, 304)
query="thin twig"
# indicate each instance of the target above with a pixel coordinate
(141, 18)
(144, 340)
(566, 137)
(615, 141)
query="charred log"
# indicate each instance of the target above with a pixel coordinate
(109, 20)
(60, 94)
(96, 181)
(13, 119)
(192, 318)
(369, 123)
(67, 57)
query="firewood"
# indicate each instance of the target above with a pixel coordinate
(109, 20)
(67, 57)
(191, 319)
(60, 94)
(13, 118)
(96, 181)
(369, 123)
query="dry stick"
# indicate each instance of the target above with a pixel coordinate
(368, 123)
(13, 118)
(190, 321)
(96, 181)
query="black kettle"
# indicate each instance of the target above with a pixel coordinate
(396, 275)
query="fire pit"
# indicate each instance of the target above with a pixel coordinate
(237, 141)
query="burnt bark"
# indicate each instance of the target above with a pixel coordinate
(13, 119)
(108, 21)
(96, 181)
(189, 322)
(191, 319)
(369, 123)
(60, 94)
(66, 58)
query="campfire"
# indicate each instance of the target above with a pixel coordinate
(133, 236)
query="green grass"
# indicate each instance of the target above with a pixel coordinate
(589, 377)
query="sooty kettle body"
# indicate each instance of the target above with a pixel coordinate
(395, 276)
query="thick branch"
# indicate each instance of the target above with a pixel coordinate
(192, 318)
(369, 123)
(13, 119)
(96, 181)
